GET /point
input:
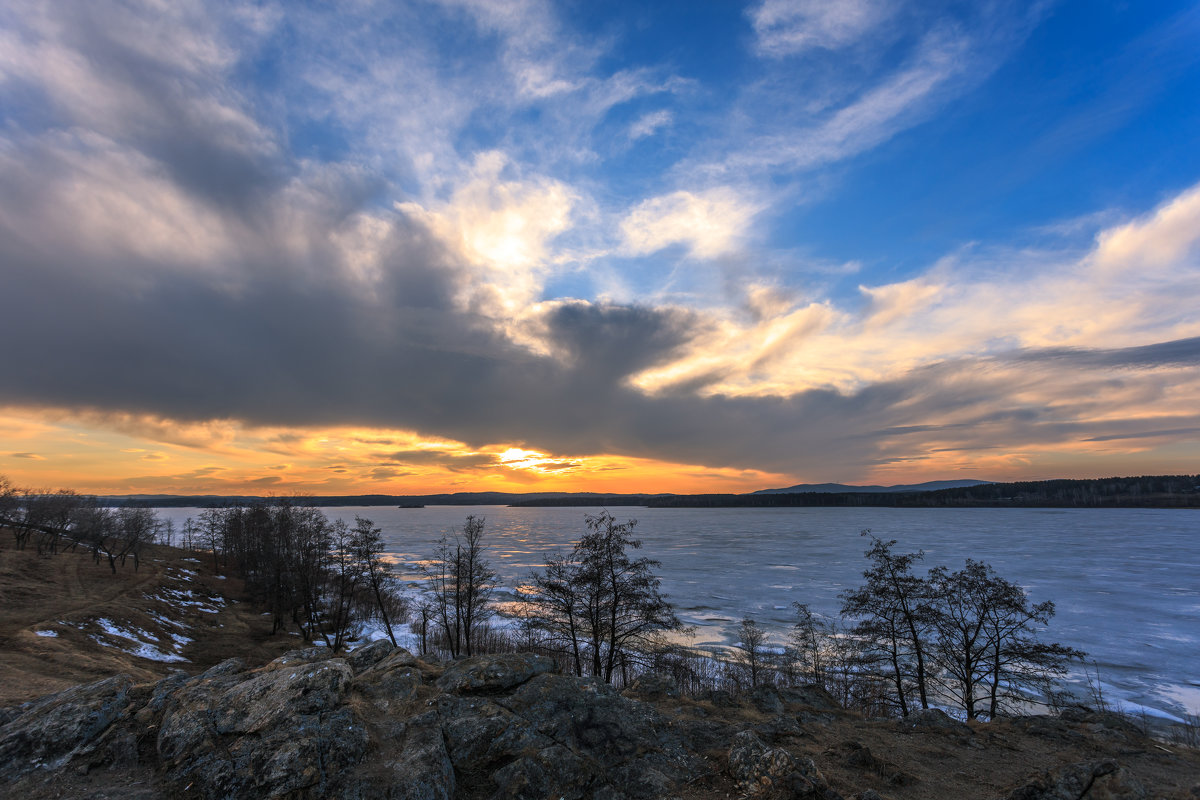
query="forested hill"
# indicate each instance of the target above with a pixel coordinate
(1153, 491)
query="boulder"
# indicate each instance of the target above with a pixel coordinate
(51, 731)
(423, 770)
(391, 681)
(766, 699)
(653, 686)
(369, 654)
(282, 730)
(296, 658)
(493, 673)
(1095, 780)
(763, 771)
(483, 735)
(856, 755)
(554, 771)
(934, 719)
(811, 696)
(757, 768)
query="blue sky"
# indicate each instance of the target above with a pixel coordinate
(747, 242)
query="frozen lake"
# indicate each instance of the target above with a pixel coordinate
(1126, 582)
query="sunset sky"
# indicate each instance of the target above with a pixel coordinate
(451, 245)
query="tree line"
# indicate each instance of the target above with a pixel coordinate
(1148, 491)
(60, 520)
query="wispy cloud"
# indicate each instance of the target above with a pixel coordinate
(787, 27)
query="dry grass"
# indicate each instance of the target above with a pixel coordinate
(67, 594)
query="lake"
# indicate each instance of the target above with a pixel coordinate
(1126, 582)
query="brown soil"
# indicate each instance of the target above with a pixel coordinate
(68, 594)
(904, 763)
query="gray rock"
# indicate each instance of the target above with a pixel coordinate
(423, 771)
(934, 719)
(757, 768)
(653, 686)
(1095, 780)
(766, 699)
(278, 731)
(764, 771)
(482, 735)
(51, 731)
(390, 688)
(369, 654)
(808, 697)
(493, 673)
(552, 772)
(295, 658)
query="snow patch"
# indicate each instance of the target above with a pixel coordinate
(47, 634)
(137, 639)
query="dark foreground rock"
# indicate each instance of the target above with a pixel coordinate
(378, 724)
(383, 724)
(1098, 780)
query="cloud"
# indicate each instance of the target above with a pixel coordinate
(709, 223)
(30, 456)
(501, 230)
(1165, 237)
(650, 124)
(191, 260)
(787, 27)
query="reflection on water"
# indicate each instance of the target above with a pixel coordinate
(1124, 580)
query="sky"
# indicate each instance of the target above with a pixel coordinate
(467, 245)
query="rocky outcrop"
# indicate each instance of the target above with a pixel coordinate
(1096, 780)
(382, 723)
(49, 732)
(272, 732)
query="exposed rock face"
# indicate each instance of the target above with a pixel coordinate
(51, 731)
(380, 723)
(1097, 780)
(772, 772)
(267, 733)
(483, 674)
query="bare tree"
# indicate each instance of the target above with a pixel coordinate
(368, 550)
(462, 582)
(809, 646)
(605, 605)
(751, 649)
(891, 610)
(10, 504)
(559, 608)
(987, 646)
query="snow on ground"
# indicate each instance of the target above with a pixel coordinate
(139, 646)
(48, 634)
(189, 598)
